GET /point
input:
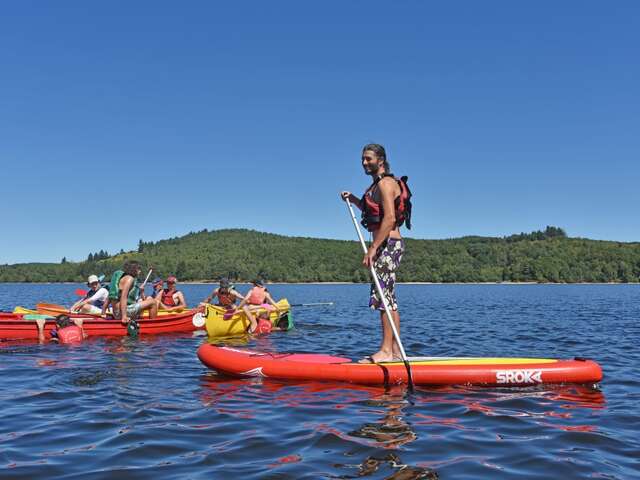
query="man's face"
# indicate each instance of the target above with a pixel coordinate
(370, 162)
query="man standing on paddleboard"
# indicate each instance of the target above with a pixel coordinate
(385, 206)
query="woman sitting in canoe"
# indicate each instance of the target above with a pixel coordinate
(226, 294)
(94, 300)
(257, 297)
(171, 299)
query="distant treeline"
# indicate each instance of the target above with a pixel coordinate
(241, 255)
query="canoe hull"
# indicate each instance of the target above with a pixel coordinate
(220, 323)
(444, 371)
(14, 326)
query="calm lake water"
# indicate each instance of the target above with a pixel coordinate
(147, 408)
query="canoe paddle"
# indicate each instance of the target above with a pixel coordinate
(383, 298)
(146, 279)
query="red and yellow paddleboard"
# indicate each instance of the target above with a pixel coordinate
(425, 370)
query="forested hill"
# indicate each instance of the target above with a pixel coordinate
(543, 256)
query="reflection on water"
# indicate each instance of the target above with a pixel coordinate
(391, 431)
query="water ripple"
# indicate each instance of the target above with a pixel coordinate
(147, 408)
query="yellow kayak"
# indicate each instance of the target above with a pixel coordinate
(221, 322)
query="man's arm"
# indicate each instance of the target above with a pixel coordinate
(211, 297)
(182, 303)
(244, 300)
(237, 295)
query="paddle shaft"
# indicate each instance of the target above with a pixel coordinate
(387, 310)
(310, 304)
(146, 278)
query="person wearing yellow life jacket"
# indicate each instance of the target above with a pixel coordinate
(225, 293)
(385, 205)
(171, 299)
(255, 299)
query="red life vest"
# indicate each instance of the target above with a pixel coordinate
(167, 297)
(372, 212)
(71, 334)
(226, 299)
(258, 295)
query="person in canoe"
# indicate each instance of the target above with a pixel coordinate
(94, 300)
(123, 295)
(226, 294)
(256, 298)
(385, 206)
(171, 299)
(157, 285)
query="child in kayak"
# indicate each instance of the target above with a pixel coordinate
(94, 300)
(226, 293)
(256, 298)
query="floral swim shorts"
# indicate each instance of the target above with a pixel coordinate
(388, 261)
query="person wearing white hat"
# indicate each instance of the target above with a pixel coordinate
(94, 299)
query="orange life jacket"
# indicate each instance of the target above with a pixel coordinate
(71, 334)
(372, 212)
(226, 299)
(258, 295)
(167, 297)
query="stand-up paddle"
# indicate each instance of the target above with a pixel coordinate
(383, 298)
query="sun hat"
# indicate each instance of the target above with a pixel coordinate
(92, 279)
(258, 282)
(157, 281)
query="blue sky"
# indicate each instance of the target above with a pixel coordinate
(128, 120)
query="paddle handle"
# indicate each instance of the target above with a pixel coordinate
(387, 310)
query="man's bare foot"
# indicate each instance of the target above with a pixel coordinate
(378, 357)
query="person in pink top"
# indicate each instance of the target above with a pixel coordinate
(255, 299)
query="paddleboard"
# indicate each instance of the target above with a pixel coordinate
(426, 370)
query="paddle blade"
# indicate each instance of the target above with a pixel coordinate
(81, 293)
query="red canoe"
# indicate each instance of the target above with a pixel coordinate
(14, 326)
(425, 370)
